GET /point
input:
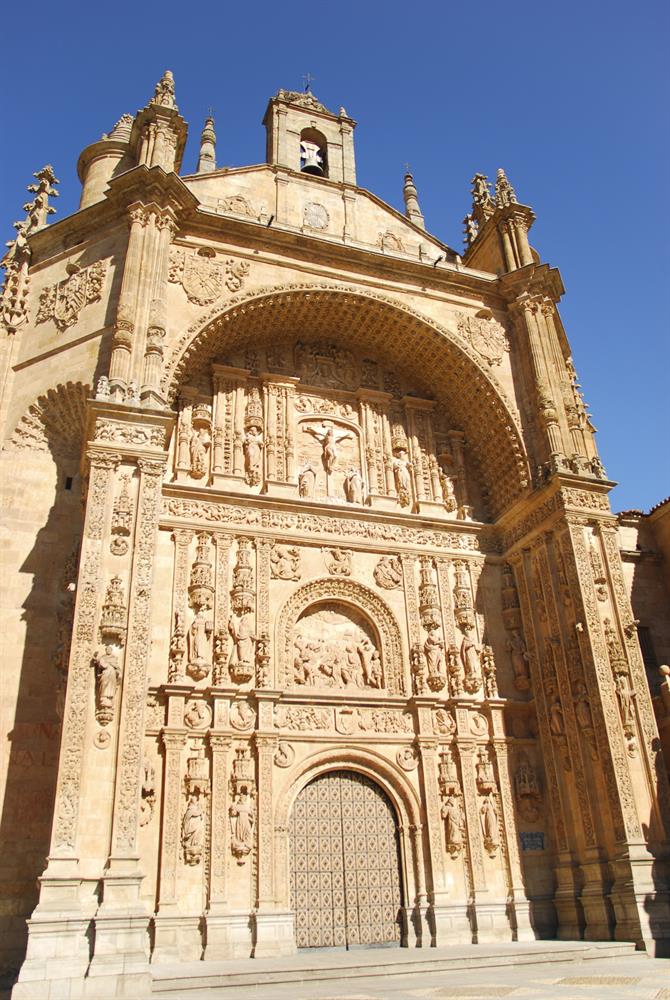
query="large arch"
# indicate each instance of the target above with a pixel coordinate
(435, 357)
(359, 597)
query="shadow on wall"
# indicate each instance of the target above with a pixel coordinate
(43, 511)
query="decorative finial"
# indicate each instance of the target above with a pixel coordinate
(482, 203)
(121, 130)
(207, 157)
(343, 112)
(308, 81)
(470, 230)
(14, 293)
(505, 195)
(164, 92)
(39, 208)
(412, 208)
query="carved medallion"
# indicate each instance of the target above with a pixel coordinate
(315, 216)
(198, 714)
(388, 573)
(486, 335)
(285, 754)
(338, 561)
(443, 722)
(64, 301)
(407, 758)
(242, 716)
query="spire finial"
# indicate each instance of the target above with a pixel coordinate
(505, 195)
(308, 80)
(39, 208)
(164, 92)
(207, 157)
(482, 203)
(412, 208)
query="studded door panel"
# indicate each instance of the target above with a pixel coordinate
(345, 878)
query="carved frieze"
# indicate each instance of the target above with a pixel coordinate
(131, 434)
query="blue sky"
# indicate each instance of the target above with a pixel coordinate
(572, 99)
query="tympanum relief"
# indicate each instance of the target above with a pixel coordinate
(334, 646)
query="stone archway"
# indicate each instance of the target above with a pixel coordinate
(345, 868)
(347, 592)
(436, 356)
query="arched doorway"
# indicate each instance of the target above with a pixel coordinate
(345, 863)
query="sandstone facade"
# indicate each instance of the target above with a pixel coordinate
(311, 573)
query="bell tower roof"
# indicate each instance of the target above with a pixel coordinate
(303, 135)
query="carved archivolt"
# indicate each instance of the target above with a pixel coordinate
(462, 379)
(55, 422)
(362, 599)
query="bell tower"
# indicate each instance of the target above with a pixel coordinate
(305, 136)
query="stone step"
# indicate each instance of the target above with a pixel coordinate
(333, 964)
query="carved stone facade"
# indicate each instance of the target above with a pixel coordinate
(346, 554)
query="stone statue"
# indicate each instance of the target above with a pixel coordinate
(242, 826)
(107, 676)
(556, 722)
(433, 649)
(664, 671)
(519, 656)
(454, 824)
(329, 439)
(253, 455)
(198, 453)
(241, 628)
(489, 821)
(200, 644)
(470, 661)
(353, 486)
(307, 481)
(402, 477)
(448, 492)
(193, 830)
(370, 663)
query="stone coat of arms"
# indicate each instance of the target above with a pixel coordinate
(486, 335)
(64, 301)
(202, 276)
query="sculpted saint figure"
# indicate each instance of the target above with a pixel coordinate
(307, 481)
(353, 487)
(198, 452)
(401, 475)
(452, 814)
(107, 677)
(329, 439)
(489, 819)
(519, 656)
(193, 831)
(199, 638)
(556, 723)
(470, 661)
(253, 454)
(242, 826)
(433, 649)
(369, 657)
(241, 628)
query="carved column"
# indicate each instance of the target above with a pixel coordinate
(270, 392)
(221, 610)
(166, 228)
(182, 538)
(517, 895)
(238, 432)
(457, 446)
(167, 919)
(124, 327)
(217, 947)
(508, 251)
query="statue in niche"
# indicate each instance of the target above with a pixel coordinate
(433, 649)
(241, 628)
(584, 717)
(489, 821)
(454, 824)
(470, 660)
(242, 825)
(527, 787)
(285, 563)
(353, 487)
(402, 476)
(198, 444)
(107, 676)
(519, 656)
(448, 492)
(193, 830)
(329, 439)
(556, 720)
(200, 643)
(307, 480)
(253, 454)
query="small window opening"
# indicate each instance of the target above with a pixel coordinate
(313, 153)
(68, 482)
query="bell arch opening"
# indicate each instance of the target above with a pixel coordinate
(346, 883)
(383, 345)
